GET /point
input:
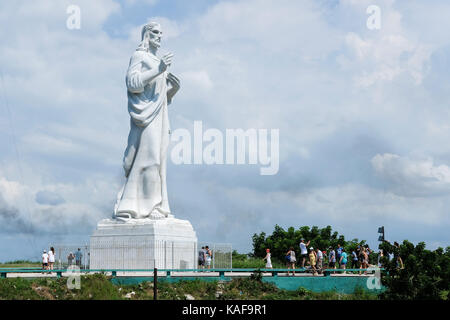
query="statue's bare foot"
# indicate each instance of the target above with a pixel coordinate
(123, 217)
(157, 215)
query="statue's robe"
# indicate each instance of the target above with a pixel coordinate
(145, 192)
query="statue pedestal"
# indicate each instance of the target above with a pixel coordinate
(143, 244)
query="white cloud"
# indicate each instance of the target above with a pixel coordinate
(298, 66)
(413, 177)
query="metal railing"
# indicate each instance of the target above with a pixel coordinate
(170, 272)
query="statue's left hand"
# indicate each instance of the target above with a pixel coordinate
(174, 81)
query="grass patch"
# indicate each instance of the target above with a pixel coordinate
(99, 287)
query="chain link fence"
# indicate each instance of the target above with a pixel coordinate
(169, 255)
(221, 254)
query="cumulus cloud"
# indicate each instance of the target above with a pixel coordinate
(347, 101)
(413, 177)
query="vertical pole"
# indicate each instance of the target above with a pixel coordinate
(173, 264)
(155, 284)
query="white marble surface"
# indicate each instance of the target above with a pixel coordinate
(150, 88)
(143, 244)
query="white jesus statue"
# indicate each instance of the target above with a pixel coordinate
(150, 89)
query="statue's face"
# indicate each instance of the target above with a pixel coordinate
(154, 36)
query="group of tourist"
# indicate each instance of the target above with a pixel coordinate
(205, 257)
(319, 260)
(48, 259)
(77, 257)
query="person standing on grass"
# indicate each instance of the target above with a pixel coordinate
(343, 259)
(332, 259)
(45, 260)
(268, 260)
(291, 260)
(304, 251)
(51, 258)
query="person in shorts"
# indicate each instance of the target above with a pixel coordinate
(319, 263)
(331, 259)
(208, 257)
(343, 259)
(51, 258)
(45, 260)
(201, 258)
(291, 260)
(354, 259)
(304, 251)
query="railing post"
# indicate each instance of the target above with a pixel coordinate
(222, 274)
(155, 284)
(3, 275)
(114, 273)
(59, 274)
(168, 274)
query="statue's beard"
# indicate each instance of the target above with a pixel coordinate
(154, 44)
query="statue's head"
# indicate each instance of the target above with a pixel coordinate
(151, 35)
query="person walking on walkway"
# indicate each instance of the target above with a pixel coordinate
(78, 256)
(268, 260)
(290, 256)
(331, 259)
(70, 258)
(319, 264)
(208, 257)
(201, 258)
(343, 260)
(312, 260)
(338, 254)
(45, 260)
(51, 258)
(354, 260)
(304, 251)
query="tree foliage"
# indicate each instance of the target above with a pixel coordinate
(281, 240)
(425, 276)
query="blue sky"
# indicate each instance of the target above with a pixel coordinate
(363, 116)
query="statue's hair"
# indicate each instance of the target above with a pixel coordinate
(148, 27)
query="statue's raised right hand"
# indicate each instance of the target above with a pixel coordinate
(166, 61)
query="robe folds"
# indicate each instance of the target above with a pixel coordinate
(145, 191)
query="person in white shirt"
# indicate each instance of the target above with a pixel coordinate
(45, 260)
(304, 251)
(319, 262)
(268, 260)
(51, 258)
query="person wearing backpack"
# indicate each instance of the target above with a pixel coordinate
(292, 260)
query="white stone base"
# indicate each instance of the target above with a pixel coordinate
(143, 244)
